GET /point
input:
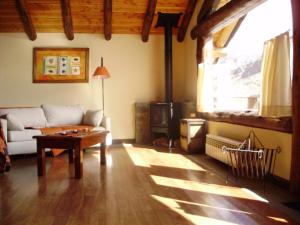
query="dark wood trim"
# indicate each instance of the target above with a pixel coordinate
(295, 164)
(120, 141)
(26, 19)
(283, 124)
(199, 51)
(67, 18)
(281, 182)
(233, 10)
(107, 19)
(148, 19)
(189, 11)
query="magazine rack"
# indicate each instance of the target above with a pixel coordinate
(251, 159)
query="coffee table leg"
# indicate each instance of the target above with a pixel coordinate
(103, 148)
(71, 155)
(41, 165)
(78, 162)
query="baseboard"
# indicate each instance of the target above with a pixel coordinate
(120, 141)
(281, 182)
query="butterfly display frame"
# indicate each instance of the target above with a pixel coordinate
(60, 65)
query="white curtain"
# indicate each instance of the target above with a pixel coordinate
(276, 98)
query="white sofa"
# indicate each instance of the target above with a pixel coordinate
(21, 124)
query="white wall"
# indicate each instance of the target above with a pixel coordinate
(137, 74)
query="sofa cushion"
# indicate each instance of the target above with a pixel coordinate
(13, 123)
(58, 115)
(93, 118)
(25, 135)
(29, 117)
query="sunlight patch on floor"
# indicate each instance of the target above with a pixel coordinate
(207, 188)
(213, 207)
(281, 220)
(255, 196)
(195, 219)
(148, 157)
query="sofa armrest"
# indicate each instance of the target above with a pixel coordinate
(3, 123)
(106, 123)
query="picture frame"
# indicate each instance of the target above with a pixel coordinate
(60, 65)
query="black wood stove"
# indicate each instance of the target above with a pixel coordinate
(165, 116)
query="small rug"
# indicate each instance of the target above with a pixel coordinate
(293, 205)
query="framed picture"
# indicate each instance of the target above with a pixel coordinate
(60, 65)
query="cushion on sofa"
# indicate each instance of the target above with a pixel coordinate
(93, 117)
(25, 135)
(58, 115)
(29, 117)
(13, 123)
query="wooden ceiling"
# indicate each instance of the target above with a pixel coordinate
(117, 16)
(87, 15)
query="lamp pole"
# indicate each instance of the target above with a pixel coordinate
(103, 94)
(101, 73)
(102, 80)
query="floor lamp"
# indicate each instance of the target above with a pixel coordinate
(101, 73)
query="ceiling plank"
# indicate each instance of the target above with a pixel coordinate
(233, 10)
(148, 20)
(107, 19)
(189, 11)
(223, 37)
(67, 18)
(26, 19)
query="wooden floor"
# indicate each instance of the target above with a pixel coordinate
(138, 186)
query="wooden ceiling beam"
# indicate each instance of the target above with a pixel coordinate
(26, 19)
(148, 20)
(67, 18)
(233, 10)
(207, 8)
(189, 11)
(107, 19)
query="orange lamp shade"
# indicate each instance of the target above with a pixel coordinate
(101, 73)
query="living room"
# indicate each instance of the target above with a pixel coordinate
(162, 186)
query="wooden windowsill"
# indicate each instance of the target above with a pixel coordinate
(282, 124)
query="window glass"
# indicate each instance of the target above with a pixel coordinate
(236, 81)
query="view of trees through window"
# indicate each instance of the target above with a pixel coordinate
(237, 79)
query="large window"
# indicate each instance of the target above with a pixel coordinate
(236, 77)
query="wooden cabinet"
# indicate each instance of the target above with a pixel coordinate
(192, 135)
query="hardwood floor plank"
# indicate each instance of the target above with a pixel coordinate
(137, 186)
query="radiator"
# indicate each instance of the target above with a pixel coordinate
(214, 144)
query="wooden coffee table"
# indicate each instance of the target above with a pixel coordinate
(75, 143)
